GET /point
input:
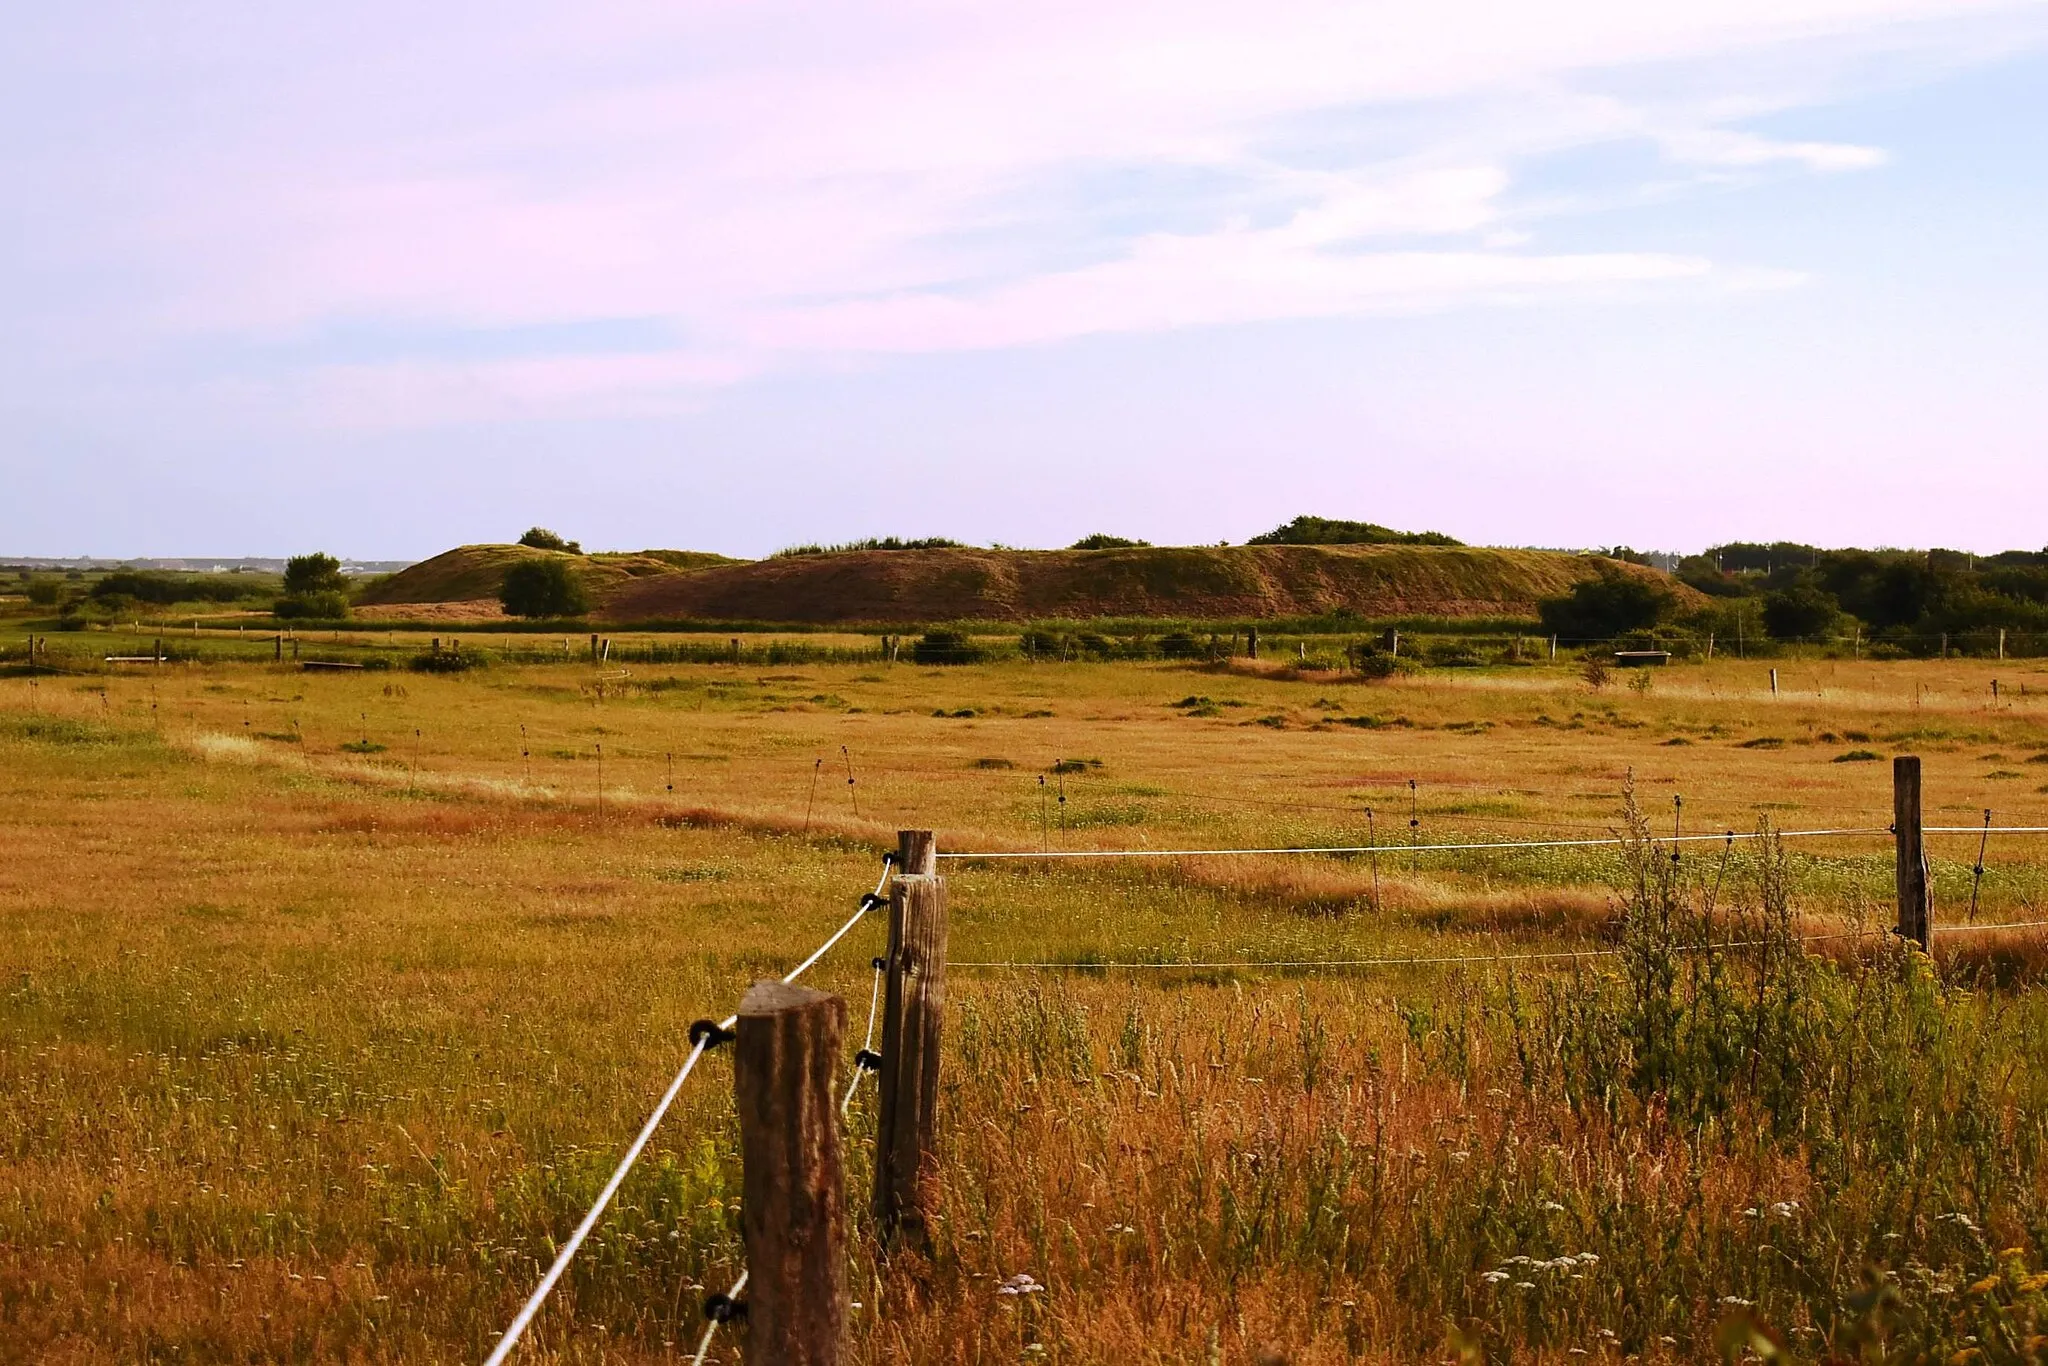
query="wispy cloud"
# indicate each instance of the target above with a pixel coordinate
(779, 183)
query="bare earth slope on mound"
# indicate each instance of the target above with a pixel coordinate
(907, 586)
(472, 572)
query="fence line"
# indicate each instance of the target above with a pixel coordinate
(702, 1040)
(1610, 842)
(1541, 956)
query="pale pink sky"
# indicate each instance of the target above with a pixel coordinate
(726, 275)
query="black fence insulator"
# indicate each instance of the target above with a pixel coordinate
(869, 901)
(724, 1308)
(708, 1033)
(867, 1060)
(878, 962)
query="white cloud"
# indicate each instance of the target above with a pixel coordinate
(1727, 147)
(779, 181)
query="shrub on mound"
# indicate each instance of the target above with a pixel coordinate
(543, 588)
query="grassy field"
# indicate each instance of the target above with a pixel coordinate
(328, 1000)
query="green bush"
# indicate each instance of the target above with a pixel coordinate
(45, 592)
(446, 662)
(1611, 604)
(306, 575)
(1800, 613)
(540, 538)
(1180, 645)
(872, 543)
(543, 588)
(1042, 645)
(945, 647)
(1102, 541)
(321, 606)
(1331, 531)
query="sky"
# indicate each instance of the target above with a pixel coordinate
(381, 278)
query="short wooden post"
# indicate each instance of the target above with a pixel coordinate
(593, 647)
(1774, 682)
(2001, 642)
(913, 1013)
(917, 853)
(279, 655)
(1251, 642)
(1916, 896)
(1710, 645)
(1553, 649)
(792, 1195)
(1395, 652)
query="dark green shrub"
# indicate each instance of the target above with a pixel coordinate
(45, 592)
(1377, 665)
(1611, 604)
(1800, 613)
(543, 588)
(945, 647)
(1100, 541)
(1452, 654)
(306, 575)
(1042, 645)
(323, 606)
(540, 538)
(1331, 531)
(872, 543)
(446, 662)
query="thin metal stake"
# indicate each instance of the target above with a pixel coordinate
(1977, 873)
(1372, 840)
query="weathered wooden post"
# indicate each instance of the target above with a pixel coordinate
(793, 1201)
(1916, 896)
(913, 1012)
(917, 853)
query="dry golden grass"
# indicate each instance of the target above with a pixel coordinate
(308, 1053)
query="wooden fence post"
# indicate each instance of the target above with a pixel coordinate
(793, 1201)
(1916, 897)
(913, 1013)
(917, 853)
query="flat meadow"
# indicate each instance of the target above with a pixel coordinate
(329, 998)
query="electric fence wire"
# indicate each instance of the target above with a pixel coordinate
(866, 1057)
(1440, 961)
(702, 1038)
(717, 1311)
(1610, 842)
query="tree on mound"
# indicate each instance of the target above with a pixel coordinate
(1330, 531)
(1612, 604)
(543, 588)
(540, 538)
